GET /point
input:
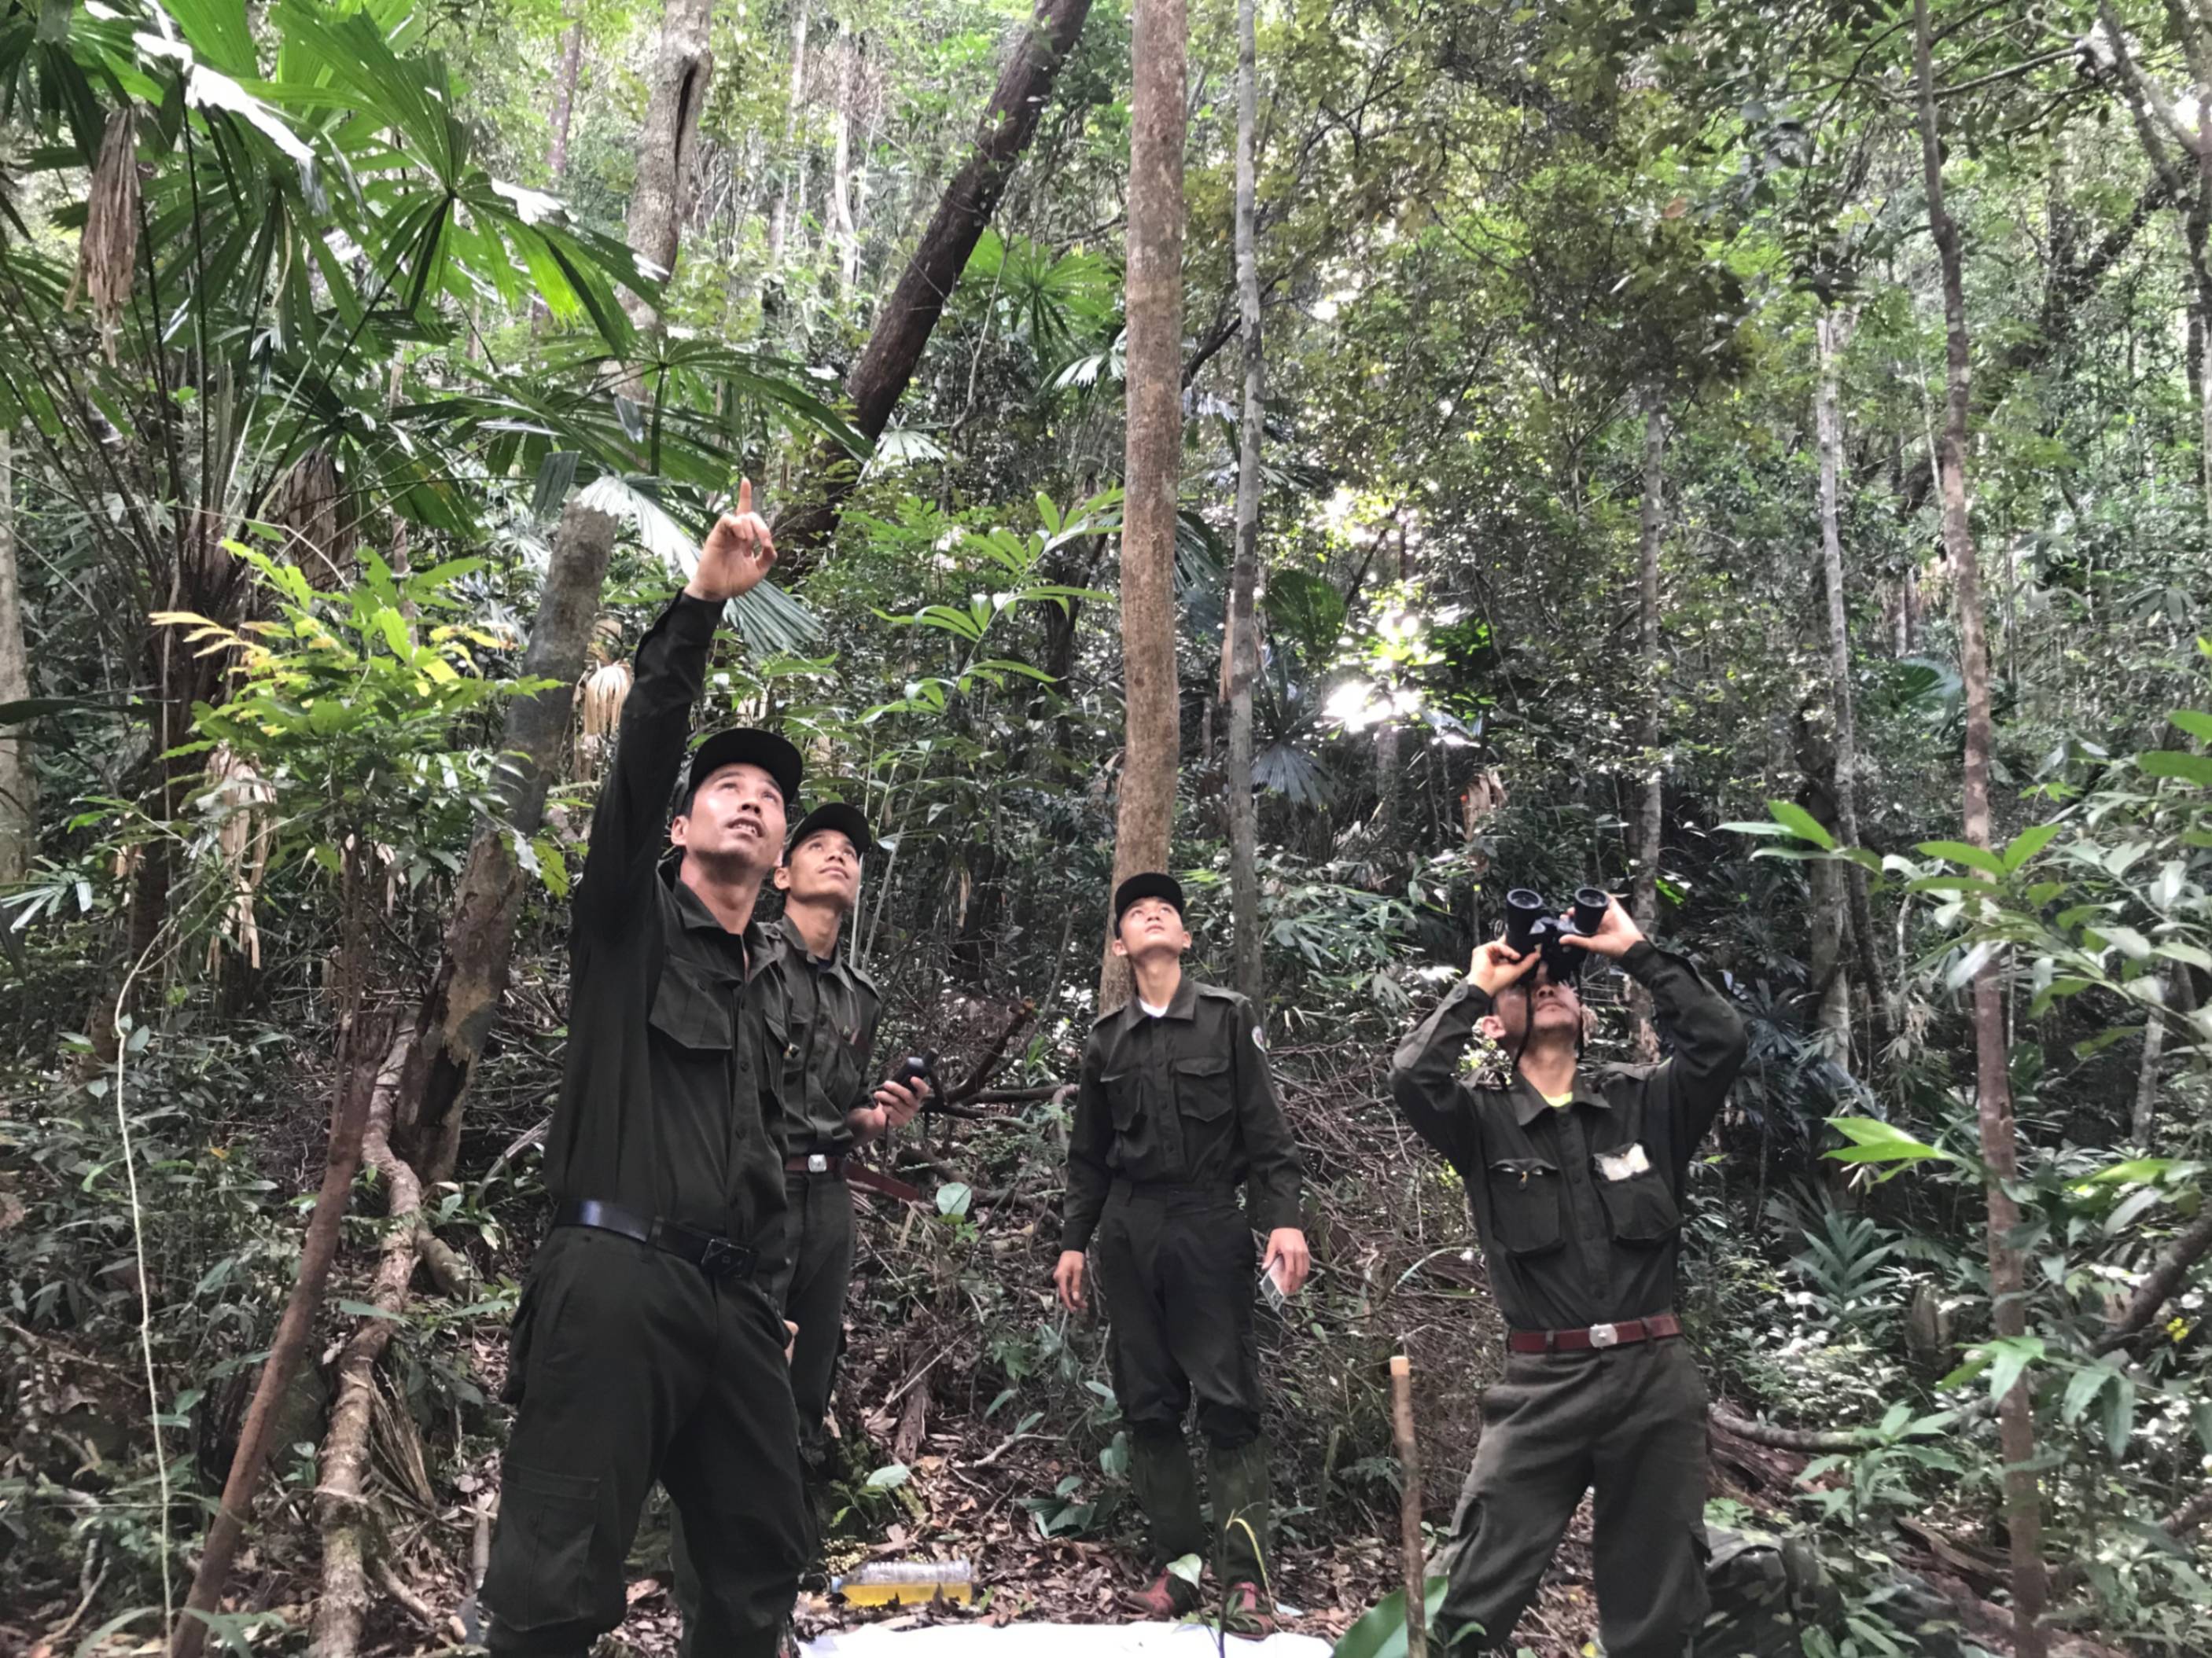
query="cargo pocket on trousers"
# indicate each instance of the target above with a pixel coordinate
(552, 1577)
(1525, 1194)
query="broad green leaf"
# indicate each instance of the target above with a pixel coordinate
(1381, 1632)
(2170, 763)
(2198, 725)
(2009, 1358)
(889, 1476)
(1959, 851)
(1801, 823)
(2028, 843)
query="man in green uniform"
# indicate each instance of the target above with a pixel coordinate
(645, 1346)
(1576, 1180)
(823, 1011)
(1175, 1111)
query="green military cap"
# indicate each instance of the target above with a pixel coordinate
(1153, 884)
(834, 815)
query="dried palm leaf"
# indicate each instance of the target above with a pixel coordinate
(107, 252)
(599, 699)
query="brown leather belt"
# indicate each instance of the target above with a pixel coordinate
(1657, 1327)
(853, 1173)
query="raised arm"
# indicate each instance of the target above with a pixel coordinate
(1424, 1076)
(1709, 1041)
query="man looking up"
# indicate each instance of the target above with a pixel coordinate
(1576, 1180)
(1175, 1109)
(645, 1346)
(820, 1012)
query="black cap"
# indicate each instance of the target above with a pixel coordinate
(746, 745)
(1151, 884)
(835, 814)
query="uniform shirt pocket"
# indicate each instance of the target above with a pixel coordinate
(1201, 1087)
(1121, 1087)
(696, 1008)
(1525, 1195)
(1641, 1209)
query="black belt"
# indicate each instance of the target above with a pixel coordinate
(710, 1252)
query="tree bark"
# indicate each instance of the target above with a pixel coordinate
(19, 800)
(1153, 463)
(1240, 644)
(360, 1045)
(457, 1014)
(910, 315)
(667, 144)
(1649, 815)
(779, 218)
(1834, 331)
(564, 101)
(841, 170)
(2147, 1074)
(2008, 1309)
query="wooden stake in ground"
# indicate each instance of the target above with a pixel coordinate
(1409, 1507)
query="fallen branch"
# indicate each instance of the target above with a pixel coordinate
(342, 1495)
(1790, 1439)
(993, 1057)
(2156, 1290)
(415, 1605)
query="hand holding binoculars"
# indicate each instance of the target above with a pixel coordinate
(1531, 924)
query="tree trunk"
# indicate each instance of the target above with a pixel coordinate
(779, 218)
(2153, 1047)
(457, 1014)
(342, 1486)
(1645, 903)
(1240, 645)
(564, 102)
(1152, 465)
(910, 315)
(841, 170)
(360, 1045)
(2016, 1414)
(1834, 332)
(667, 145)
(19, 800)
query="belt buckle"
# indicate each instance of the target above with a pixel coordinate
(1605, 1335)
(718, 1257)
(818, 1163)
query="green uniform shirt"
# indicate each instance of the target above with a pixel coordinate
(1184, 1099)
(662, 1107)
(1578, 1206)
(828, 1010)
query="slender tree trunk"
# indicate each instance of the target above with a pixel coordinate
(1649, 816)
(19, 800)
(456, 1016)
(1152, 467)
(1241, 640)
(841, 170)
(910, 315)
(668, 142)
(564, 101)
(1834, 331)
(2015, 1412)
(779, 218)
(360, 1047)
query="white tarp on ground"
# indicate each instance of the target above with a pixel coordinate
(1053, 1641)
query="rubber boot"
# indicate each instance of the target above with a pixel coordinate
(1237, 1476)
(1167, 1491)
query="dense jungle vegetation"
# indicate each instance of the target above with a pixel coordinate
(1754, 454)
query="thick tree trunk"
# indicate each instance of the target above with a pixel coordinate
(1834, 331)
(1152, 466)
(2009, 1311)
(1240, 645)
(910, 315)
(19, 800)
(668, 142)
(840, 168)
(457, 1014)
(564, 102)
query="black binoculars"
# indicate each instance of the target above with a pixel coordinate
(1531, 924)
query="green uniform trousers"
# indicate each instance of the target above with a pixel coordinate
(1628, 1422)
(633, 1366)
(1178, 1271)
